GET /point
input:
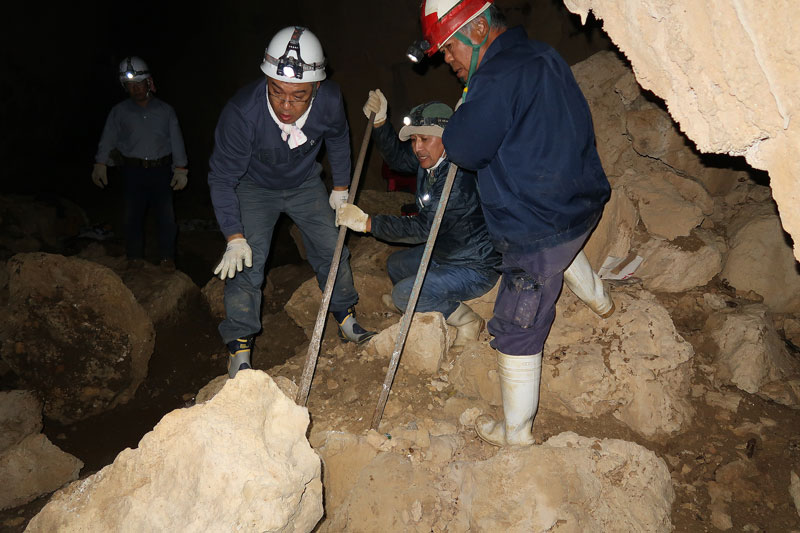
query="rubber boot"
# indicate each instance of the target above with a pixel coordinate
(349, 329)
(239, 355)
(467, 322)
(519, 384)
(587, 285)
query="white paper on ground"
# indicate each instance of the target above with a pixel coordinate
(620, 267)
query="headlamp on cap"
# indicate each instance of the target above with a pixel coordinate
(426, 119)
(293, 66)
(416, 52)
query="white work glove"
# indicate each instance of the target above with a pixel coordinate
(180, 177)
(377, 103)
(338, 198)
(351, 216)
(237, 251)
(99, 176)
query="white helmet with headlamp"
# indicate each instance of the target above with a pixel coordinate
(133, 69)
(294, 55)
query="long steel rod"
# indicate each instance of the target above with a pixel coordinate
(405, 323)
(316, 338)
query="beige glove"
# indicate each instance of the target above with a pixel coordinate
(376, 103)
(351, 216)
(236, 252)
(338, 198)
(180, 177)
(99, 176)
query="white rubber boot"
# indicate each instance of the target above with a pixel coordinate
(520, 376)
(467, 322)
(587, 285)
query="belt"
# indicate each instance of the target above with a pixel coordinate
(147, 163)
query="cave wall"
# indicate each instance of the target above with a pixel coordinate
(727, 70)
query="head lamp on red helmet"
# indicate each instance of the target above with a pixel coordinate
(443, 19)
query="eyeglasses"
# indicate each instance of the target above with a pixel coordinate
(278, 99)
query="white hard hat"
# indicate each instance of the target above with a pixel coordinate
(294, 55)
(133, 69)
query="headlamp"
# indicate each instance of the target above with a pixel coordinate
(416, 52)
(407, 121)
(293, 66)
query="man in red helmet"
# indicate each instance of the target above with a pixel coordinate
(525, 127)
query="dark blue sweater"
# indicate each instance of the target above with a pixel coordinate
(462, 239)
(247, 141)
(526, 128)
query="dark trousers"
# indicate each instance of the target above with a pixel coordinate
(149, 188)
(444, 287)
(525, 307)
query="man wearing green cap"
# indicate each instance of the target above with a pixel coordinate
(463, 261)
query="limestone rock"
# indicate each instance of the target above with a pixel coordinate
(569, 483)
(20, 416)
(614, 232)
(162, 295)
(664, 210)
(238, 462)
(34, 467)
(727, 72)
(474, 373)
(760, 259)
(752, 355)
(634, 365)
(30, 225)
(426, 345)
(681, 264)
(75, 333)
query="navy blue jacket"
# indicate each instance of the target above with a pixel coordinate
(526, 128)
(462, 239)
(247, 141)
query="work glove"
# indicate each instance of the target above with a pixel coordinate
(180, 177)
(237, 251)
(338, 198)
(376, 103)
(99, 176)
(351, 216)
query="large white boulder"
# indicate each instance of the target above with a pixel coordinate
(239, 462)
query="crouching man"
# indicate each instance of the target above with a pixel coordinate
(463, 261)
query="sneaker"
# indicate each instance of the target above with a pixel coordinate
(349, 328)
(239, 355)
(167, 265)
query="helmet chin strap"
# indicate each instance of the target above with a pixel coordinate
(476, 48)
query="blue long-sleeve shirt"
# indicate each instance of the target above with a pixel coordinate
(149, 132)
(248, 142)
(526, 128)
(462, 239)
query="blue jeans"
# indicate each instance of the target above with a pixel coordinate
(525, 307)
(444, 287)
(149, 187)
(259, 208)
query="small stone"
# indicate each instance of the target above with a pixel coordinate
(332, 384)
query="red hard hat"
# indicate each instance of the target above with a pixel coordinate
(442, 18)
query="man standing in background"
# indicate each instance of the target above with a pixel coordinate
(145, 131)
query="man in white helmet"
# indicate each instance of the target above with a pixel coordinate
(145, 131)
(525, 127)
(264, 163)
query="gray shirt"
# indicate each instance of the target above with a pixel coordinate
(150, 132)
